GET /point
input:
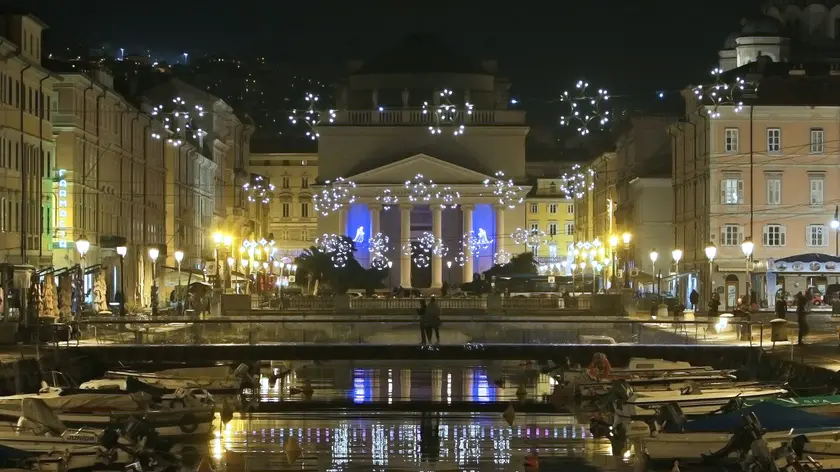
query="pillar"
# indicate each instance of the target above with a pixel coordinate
(374, 219)
(405, 238)
(342, 222)
(500, 229)
(437, 261)
(467, 212)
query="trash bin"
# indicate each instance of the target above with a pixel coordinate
(745, 330)
(778, 330)
(725, 322)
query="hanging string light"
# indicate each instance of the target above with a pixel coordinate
(460, 258)
(338, 247)
(502, 257)
(387, 199)
(508, 193)
(334, 196)
(179, 120)
(426, 242)
(258, 190)
(584, 109)
(419, 189)
(447, 198)
(579, 182)
(312, 116)
(475, 242)
(440, 249)
(445, 114)
(379, 245)
(422, 260)
(720, 93)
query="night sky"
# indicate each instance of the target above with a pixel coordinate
(633, 47)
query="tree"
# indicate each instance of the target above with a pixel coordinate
(519, 264)
(316, 265)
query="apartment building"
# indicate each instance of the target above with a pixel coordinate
(550, 210)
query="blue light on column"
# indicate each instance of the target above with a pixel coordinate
(358, 225)
(484, 217)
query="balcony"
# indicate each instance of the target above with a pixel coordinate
(416, 117)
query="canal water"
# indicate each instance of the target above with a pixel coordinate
(365, 435)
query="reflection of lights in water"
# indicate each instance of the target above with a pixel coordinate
(340, 446)
(361, 386)
(449, 387)
(390, 386)
(379, 446)
(501, 447)
(482, 390)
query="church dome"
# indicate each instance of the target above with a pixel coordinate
(761, 26)
(731, 41)
(421, 54)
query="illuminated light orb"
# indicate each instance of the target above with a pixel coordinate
(445, 114)
(502, 257)
(533, 238)
(460, 258)
(419, 189)
(422, 260)
(312, 116)
(447, 198)
(334, 196)
(721, 93)
(379, 245)
(426, 242)
(584, 109)
(380, 262)
(440, 249)
(508, 193)
(338, 247)
(179, 121)
(387, 199)
(576, 184)
(259, 190)
(475, 242)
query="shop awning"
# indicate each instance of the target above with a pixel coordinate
(805, 263)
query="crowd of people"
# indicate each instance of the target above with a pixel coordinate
(429, 321)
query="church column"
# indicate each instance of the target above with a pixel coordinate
(467, 212)
(374, 219)
(437, 261)
(405, 238)
(500, 229)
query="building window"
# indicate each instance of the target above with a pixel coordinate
(774, 235)
(774, 140)
(304, 210)
(534, 226)
(570, 209)
(731, 235)
(774, 190)
(285, 208)
(552, 188)
(284, 181)
(815, 236)
(730, 139)
(552, 229)
(817, 141)
(304, 182)
(552, 208)
(570, 229)
(817, 186)
(535, 208)
(731, 190)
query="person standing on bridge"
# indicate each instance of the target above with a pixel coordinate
(433, 315)
(424, 324)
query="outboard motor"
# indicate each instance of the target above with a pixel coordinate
(243, 373)
(741, 441)
(135, 429)
(671, 413)
(621, 390)
(734, 404)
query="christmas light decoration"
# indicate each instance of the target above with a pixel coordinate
(509, 194)
(334, 196)
(440, 249)
(426, 242)
(447, 198)
(585, 109)
(312, 116)
(445, 114)
(179, 121)
(387, 199)
(422, 260)
(475, 242)
(419, 189)
(576, 184)
(379, 245)
(533, 238)
(338, 247)
(460, 258)
(502, 257)
(258, 190)
(720, 93)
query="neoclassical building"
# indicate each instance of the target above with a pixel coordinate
(418, 131)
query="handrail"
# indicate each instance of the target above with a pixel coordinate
(372, 320)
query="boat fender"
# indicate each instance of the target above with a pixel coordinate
(177, 404)
(189, 423)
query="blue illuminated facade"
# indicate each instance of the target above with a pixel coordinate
(359, 228)
(484, 217)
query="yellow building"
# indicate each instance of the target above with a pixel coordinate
(108, 180)
(551, 211)
(291, 218)
(26, 143)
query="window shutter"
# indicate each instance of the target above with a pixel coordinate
(740, 191)
(764, 236)
(808, 236)
(782, 231)
(740, 235)
(722, 192)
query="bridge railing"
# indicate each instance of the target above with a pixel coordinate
(403, 330)
(316, 304)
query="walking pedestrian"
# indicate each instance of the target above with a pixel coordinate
(801, 313)
(433, 317)
(781, 306)
(714, 304)
(693, 298)
(421, 312)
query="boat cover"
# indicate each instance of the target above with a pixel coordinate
(217, 372)
(772, 416)
(82, 402)
(13, 454)
(37, 416)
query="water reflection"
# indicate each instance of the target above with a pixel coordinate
(430, 441)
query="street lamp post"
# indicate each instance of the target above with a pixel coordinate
(390, 266)
(835, 225)
(613, 244)
(711, 252)
(653, 257)
(83, 246)
(179, 256)
(449, 272)
(677, 255)
(122, 251)
(153, 255)
(747, 247)
(626, 237)
(217, 240)
(231, 264)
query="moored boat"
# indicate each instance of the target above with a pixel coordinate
(218, 379)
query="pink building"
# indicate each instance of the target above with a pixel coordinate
(769, 171)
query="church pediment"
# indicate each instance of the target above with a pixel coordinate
(434, 169)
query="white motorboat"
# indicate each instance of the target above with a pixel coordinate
(692, 400)
(218, 379)
(97, 410)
